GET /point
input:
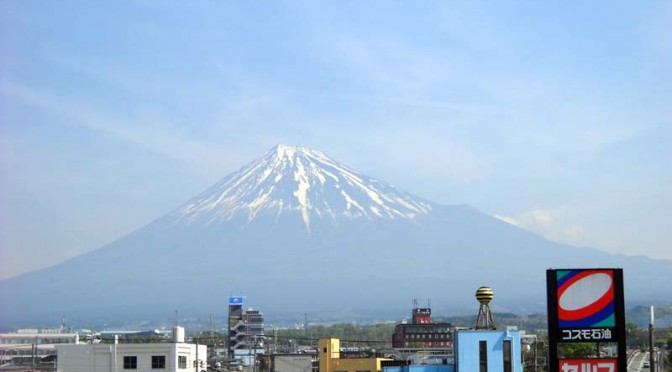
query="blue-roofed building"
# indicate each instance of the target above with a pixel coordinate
(488, 350)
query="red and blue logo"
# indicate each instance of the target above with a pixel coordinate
(586, 298)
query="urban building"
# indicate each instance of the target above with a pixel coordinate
(475, 350)
(156, 334)
(488, 350)
(485, 348)
(421, 368)
(246, 332)
(254, 328)
(292, 363)
(331, 361)
(482, 348)
(33, 343)
(174, 356)
(422, 334)
(236, 325)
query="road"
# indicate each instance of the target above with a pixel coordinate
(638, 361)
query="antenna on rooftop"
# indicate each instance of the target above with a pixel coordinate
(178, 332)
(212, 331)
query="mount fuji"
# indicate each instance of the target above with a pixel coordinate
(296, 231)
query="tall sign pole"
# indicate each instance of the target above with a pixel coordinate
(586, 305)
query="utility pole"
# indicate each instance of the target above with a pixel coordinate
(32, 356)
(535, 354)
(254, 358)
(652, 359)
(275, 339)
(212, 332)
(34, 353)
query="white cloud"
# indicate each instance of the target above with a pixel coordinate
(552, 224)
(509, 220)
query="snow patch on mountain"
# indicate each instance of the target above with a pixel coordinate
(300, 179)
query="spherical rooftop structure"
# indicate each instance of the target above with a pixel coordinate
(484, 295)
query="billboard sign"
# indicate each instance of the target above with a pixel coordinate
(236, 300)
(585, 305)
(589, 365)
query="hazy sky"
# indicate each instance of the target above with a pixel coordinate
(556, 116)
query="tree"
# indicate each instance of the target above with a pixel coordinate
(577, 350)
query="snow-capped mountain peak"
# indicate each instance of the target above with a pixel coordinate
(300, 179)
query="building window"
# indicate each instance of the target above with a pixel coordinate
(182, 362)
(158, 362)
(130, 362)
(507, 355)
(483, 356)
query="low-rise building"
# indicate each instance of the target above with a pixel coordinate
(292, 363)
(331, 361)
(421, 368)
(175, 356)
(423, 341)
(477, 350)
(488, 350)
(422, 334)
(29, 343)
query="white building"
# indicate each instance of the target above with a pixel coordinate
(175, 356)
(33, 342)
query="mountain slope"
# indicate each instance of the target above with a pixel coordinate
(295, 231)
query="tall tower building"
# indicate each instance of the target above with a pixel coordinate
(236, 325)
(254, 328)
(246, 330)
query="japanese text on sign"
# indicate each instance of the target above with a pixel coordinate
(597, 334)
(588, 365)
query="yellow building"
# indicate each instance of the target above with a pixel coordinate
(330, 359)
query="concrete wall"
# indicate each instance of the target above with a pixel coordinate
(355, 365)
(292, 363)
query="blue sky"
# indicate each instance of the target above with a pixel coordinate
(555, 116)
